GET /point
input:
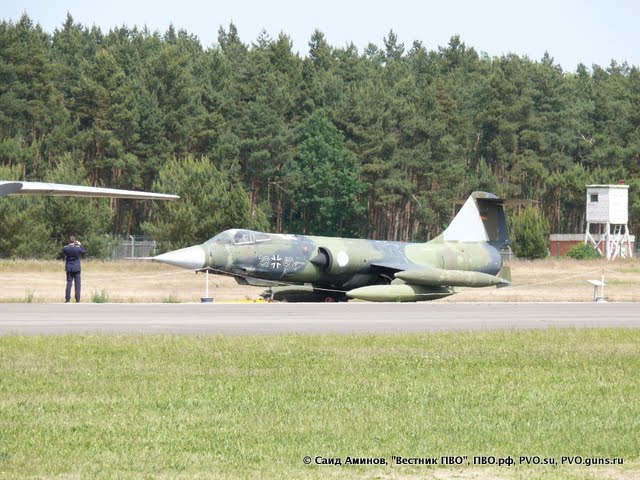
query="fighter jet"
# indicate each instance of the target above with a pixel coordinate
(310, 268)
(58, 189)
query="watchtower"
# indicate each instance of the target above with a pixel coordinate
(607, 212)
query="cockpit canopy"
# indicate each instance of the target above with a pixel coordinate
(238, 236)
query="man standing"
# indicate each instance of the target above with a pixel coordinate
(72, 254)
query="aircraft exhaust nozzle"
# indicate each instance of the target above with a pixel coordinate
(191, 258)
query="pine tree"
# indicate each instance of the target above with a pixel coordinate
(325, 184)
(209, 202)
(530, 234)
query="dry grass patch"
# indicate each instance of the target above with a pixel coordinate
(563, 280)
(139, 282)
(122, 282)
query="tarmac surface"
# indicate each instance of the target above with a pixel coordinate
(309, 318)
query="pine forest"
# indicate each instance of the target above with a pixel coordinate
(380, 143)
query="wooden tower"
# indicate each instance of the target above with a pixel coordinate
(608, 214)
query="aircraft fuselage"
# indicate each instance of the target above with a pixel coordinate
(342, 264)
(309, 267)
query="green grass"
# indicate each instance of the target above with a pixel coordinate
(29, 295)
(617, 282)
(100, 297)
(172, 298)
(629, 270)
(252, 407)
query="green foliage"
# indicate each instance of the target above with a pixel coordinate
(23, 234)
(209, 202)
(88, 219)
(106, 400)
(530, 234)
(324, 181)
(583, 251)
(377, 143)
(171, 299)
(37, 227)
(100, 297)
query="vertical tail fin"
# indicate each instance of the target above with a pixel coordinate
(481, 219)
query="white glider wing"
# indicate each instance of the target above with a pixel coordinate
(61, 190)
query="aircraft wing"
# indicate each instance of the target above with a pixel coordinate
(61, 190)
(391, 268)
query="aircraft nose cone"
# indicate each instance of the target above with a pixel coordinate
(191, 258)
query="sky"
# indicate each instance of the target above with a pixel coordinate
(572, 31)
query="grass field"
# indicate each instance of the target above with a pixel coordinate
(134, 407)
(543, 280)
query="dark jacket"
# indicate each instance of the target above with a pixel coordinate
(72, 254)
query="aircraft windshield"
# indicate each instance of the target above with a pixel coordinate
(239, 237)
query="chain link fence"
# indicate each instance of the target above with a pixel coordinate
(133, 247)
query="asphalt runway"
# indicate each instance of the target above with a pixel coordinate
(316, 319)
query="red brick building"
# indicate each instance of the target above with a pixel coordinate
(561, 243)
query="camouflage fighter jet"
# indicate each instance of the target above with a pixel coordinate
(311, 268)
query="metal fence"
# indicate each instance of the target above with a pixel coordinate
(133, 247)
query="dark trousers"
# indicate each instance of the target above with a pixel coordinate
(75, 278)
